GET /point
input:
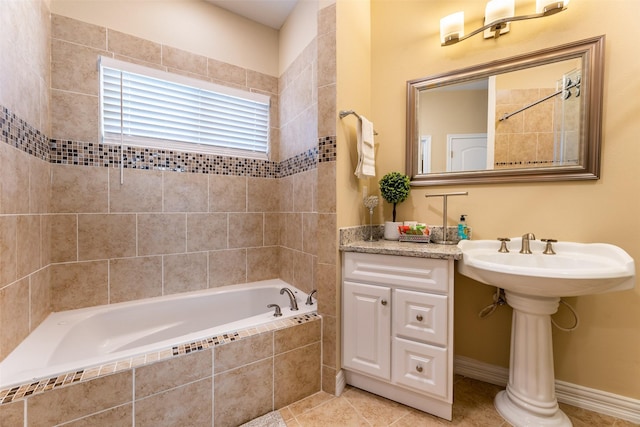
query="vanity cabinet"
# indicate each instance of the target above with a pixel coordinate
(397, 338)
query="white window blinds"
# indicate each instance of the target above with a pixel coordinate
(142, 106)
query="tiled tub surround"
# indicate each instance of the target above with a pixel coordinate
(84, 338)
(230, 379)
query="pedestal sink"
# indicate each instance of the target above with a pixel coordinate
(534, 284)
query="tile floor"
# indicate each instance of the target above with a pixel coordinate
(473, 406)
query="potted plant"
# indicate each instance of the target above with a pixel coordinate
(394, 188)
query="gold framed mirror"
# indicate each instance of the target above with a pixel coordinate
(532, 117)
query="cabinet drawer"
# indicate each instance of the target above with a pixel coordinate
(420, 366)
(420, 316)
(411, 272)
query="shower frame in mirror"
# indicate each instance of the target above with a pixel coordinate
(591, 51)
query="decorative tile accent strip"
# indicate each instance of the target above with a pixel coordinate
(327, 148)
(21, 135)
(25, 390)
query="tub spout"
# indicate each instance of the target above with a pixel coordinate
(278, 312)
(292, 298)
(310, 297)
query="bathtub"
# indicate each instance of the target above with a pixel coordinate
(81, 339)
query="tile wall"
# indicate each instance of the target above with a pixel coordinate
(525, 139)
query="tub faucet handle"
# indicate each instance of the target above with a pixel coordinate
(292, 298)
(310, 297)
(278, 312)
(503, 244)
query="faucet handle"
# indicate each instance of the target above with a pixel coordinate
(503, 244)
(548, 250)
(278, 312)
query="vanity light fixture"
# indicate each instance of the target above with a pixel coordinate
(498, 14)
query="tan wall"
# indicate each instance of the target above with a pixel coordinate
(603, 352)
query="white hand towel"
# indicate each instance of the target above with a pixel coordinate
(366, 153)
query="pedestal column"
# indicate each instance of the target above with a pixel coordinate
(530, 398)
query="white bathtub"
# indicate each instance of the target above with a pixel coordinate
(79, 339)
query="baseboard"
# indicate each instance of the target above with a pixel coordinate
(572, 394)
(341, 382)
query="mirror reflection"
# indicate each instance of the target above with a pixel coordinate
(535, 116)
(523, 119)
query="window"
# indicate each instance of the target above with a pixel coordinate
(146, 107)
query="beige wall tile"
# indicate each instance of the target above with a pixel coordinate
(135, 278)
(272, 229)
(304, 189)
(78, 32)
(286, 264)
(327, 289)
(63, 232)
(134, 47)
(206, 232)
(12, 414)
(103, 236)
(161, 234)
(28, 244)
(327, 59)
(226, 72)
(39, 185)
(292, 231)
(185, 192)
(227, 193)
(8, 249)
(327, 187)
(189, 405)
(85, 189)
(243, 352)
(329, 342)
(171, 373)
(246, 230)
(310, 233)
(69, 403)
(298, 336)
(327, 238)
(183, 60)
(297, 374)
(327, 19)
(120, 416)
(262, 263)
(40, 296)
(286, 194)
(262, 195)
(263, 82)
(185, 272)
(140, 192)
(14, 315)
(74, 67)
(243, 394)
(14, 181)
(227, 267)
(304, 266)
(327, 110)
(78, 285)
(329, 380)
(75, 116)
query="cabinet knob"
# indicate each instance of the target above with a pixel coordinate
(419, 317)
(419, 368)
(383, 302)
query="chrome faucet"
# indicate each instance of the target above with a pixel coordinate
(292, 298)
(525, 243)
(310, 297)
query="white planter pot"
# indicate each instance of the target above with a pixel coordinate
(391, 230)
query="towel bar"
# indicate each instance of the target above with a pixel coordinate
(345, 113)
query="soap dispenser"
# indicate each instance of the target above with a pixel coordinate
(463, 231)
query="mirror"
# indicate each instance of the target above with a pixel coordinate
(533, 117)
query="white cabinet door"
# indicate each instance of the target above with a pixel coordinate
(367, 329)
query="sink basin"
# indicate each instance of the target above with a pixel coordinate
(576, 269)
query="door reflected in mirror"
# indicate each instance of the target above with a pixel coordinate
(532, 117)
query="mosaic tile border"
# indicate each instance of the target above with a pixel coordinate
(18, 133)
(29, 389)
(21, 135)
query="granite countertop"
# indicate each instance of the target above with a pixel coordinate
(355, 239)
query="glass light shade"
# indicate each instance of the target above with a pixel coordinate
(541, 5)
(452, 27)
(495, 10)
